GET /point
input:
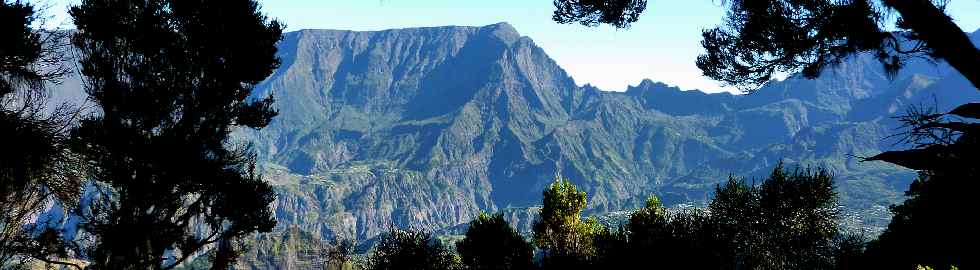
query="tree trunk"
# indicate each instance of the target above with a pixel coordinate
(942, 35)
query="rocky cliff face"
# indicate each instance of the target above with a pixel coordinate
(401, 127)
(426, 127)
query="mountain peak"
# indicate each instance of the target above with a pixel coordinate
(650, 85)
(647, 83)
(504, 31)
(502, 25)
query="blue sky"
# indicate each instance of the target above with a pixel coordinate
(662, 46)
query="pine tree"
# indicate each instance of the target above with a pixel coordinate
(564, 238)
(764, 37)
(172, 79)
(789, 221)
(36, 166)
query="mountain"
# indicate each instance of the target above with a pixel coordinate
(427, 127)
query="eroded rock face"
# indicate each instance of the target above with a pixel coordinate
(426, 127)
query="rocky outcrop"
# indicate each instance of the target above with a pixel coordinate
(426, 127)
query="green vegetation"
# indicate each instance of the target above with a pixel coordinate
(411, 250)
(362, 148)
(170, 80)
(500, 144)
(37, 167)
(560, 233)
(788, 221)
(766, 37)
(946, 152)
(491, 243)
(288, 249)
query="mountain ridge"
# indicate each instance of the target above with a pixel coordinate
(489, 119)
(427, 127)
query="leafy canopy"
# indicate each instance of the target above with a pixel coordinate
(411, 250)
(36, 167)
(560, 232)
(762, 38)
(491, 243)
(172, 79)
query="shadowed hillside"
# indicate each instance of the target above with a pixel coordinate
(426, 127)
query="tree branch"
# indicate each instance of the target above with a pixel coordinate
(942, 35)
(79, 267)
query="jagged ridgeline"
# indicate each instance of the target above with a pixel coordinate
(426, 127)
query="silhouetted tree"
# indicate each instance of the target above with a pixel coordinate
(636, 242)
(172, 79)
(695, 241)
(848, 252)
(619, 13)
(491, 243)
(36, 167)
(763, 37)
(926, 227)
(611, 246)
(649, 229)
(684, 239)
(800, 212)
(614, 247)
(789, 221)
(31, 56)
(929, 227)
(564, 238)
(411, 250)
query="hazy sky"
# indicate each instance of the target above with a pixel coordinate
(662, 46)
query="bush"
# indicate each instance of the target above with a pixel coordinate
(411, 250)
(491, 243)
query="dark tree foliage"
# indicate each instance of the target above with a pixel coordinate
(925, 227)
(611, 246)
(764, 37)
(36, 167)
(642, 235)
(799, 212)
(30, 56)
(789, 221)
(929, 227)
(619, 13)
(848, 252)
(695, 235)
(681, 240)
(491, 243)
(411, 250)
(172, 79)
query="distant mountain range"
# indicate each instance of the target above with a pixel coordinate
(427, 127)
